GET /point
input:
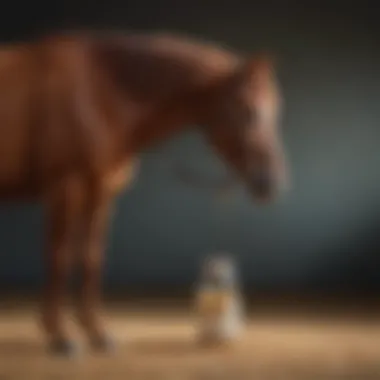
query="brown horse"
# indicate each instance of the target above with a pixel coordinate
(77, 108)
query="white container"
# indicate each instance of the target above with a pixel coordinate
(218, 304)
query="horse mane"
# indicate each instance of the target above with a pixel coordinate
(165, 43)
(158, 64)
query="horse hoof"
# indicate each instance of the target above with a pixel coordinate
(104, 343)
(64, 348)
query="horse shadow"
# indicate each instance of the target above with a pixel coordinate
(11, 348)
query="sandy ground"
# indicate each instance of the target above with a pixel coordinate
(159, 344)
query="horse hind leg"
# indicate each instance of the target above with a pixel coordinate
(95, 222)
(62, 214)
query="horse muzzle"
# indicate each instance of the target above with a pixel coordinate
(265, 185)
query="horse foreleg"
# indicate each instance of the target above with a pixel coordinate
(95, 224)
(63, 208)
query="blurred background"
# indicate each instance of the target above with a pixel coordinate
(323, 237)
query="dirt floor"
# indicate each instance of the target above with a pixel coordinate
(158, 343)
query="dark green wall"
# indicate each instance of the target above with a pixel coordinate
(323, 234)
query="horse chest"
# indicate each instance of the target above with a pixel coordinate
(14, 122)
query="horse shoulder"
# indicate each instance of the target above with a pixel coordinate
(16, 93)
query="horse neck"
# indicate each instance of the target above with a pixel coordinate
(172, 82)
(167, 120)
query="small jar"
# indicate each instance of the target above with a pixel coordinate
(219, 306)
